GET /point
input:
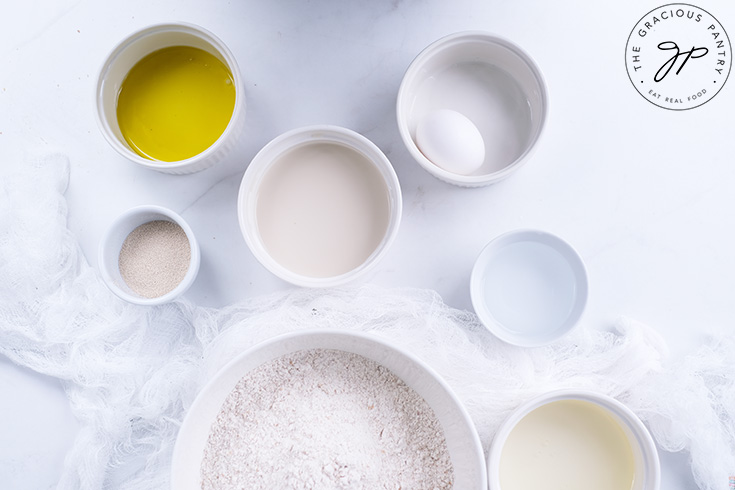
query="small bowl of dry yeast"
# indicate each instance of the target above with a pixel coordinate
(149, 256)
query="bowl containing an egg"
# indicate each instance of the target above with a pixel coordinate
(327, 409)
(319, 206)
(170, 97)
(573, 439)
(471, 108)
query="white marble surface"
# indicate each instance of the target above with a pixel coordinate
(644, 194)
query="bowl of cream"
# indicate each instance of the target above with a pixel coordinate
(319, 206)
(471, 108)
(573, 440)
(170, 97)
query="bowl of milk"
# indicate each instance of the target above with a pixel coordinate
(575, 440)
(319, 206)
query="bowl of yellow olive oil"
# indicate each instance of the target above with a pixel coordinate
(170, 97)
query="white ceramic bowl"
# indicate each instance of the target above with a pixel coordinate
(140, 44)
(645, 455)
(296, 139)
(491, 81)
(529, 287)
(113, 239)
(463, 442)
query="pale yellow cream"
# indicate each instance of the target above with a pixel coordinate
(567, 445)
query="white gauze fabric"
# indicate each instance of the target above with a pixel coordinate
(131, 372)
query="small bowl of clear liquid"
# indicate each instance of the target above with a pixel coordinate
(529, 287)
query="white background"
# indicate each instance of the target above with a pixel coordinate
(646, 195)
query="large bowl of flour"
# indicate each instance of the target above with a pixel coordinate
(331, 410)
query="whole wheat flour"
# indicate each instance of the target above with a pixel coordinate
(325, 419)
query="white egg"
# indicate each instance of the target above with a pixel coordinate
(451, 141)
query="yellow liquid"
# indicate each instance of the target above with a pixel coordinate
(567, 445)
(175, 103)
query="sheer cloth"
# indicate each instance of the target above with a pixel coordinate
(131, 372)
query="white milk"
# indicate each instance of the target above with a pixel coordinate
(567, 445)
(322, 209)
